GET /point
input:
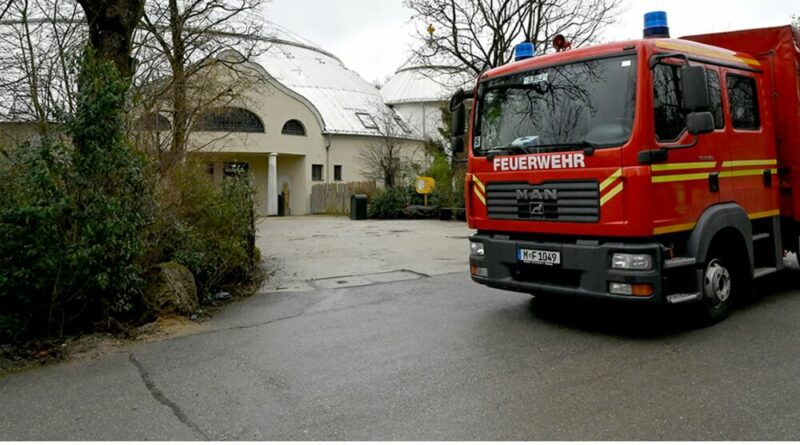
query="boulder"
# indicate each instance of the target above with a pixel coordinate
(421, 212)
(170, 290)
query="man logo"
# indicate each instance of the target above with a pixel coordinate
(537, 195)
(537, 209)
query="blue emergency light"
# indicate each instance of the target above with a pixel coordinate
(655, 25)
(524, 51)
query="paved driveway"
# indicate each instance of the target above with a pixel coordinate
(429, 358)
(313, 252)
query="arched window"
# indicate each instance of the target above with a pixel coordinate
(230, 120)
(294, 127)
(152, 121)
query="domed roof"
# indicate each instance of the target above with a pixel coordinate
(338, 93)
(425, 78)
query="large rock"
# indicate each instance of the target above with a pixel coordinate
(170, 290)
(421, 212)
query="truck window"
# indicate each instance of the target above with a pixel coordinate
(744, 102)
(669, 115)
(558, 108)
(715, 93)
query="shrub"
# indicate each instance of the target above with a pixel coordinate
(71, 215)
(441, 170)
(389, 203)
(206, 227)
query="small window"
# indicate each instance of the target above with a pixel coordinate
(316, 172)
(367, 120)
(210, 169)
(744, 102)
(402, 124)
(337, 172)
(294, 127)
(669, 115)
(234, 169)
(715, 93)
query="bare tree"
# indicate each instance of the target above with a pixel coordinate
(179, 49)
(111, 27)
(5, 5)
(387, 158)
(481, 34)
(39, 44)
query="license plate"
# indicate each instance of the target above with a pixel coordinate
(542, 257)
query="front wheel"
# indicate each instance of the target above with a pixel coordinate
(720, 281)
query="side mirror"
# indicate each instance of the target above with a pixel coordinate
(457, 144)
(694, 86)
(457, 100)
(700, 122)
(460, 121)
(459, 113)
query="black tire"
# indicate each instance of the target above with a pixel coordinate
(725, 280)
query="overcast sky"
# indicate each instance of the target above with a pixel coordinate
(373, 37)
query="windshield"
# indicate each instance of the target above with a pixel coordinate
(581, 105)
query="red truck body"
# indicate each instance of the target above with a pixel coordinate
(779, 54)
(716, 208)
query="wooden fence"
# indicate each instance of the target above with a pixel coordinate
(335, 197)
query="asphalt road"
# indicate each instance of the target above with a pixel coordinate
(433, 358)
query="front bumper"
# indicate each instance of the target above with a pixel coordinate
(585, 269)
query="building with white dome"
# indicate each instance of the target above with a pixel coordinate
(304, 122)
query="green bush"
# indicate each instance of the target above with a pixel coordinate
(441, 171)
(389, 203)
(71, 215)
(206, 227)
(83, 218)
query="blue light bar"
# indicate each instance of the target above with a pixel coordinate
(524, 50)
(656, 25)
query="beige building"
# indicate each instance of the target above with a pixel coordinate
(304, 121)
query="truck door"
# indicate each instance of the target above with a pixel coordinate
(751, 172)
(688, 182)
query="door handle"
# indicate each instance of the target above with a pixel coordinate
(767, 178)
(713, 182)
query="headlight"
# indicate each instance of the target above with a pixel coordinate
(476, 249)
(627, 261)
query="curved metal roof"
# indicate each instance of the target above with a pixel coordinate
(337, 92)
(424, 84)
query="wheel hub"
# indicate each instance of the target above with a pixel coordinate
(717, 283)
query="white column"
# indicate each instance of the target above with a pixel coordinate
(272, 185)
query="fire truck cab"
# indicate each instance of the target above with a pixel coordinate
(656, 171)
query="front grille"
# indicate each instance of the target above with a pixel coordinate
(576, 201)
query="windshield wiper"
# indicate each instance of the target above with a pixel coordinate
(507, 150)
(587, 146)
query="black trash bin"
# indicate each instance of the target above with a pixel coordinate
(358, 207)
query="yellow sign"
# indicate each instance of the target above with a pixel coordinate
(425, 185)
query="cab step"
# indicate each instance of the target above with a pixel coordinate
(674, 263)
(764, 271)
(761, 236)
(682, 298)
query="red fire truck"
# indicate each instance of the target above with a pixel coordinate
(659, 170)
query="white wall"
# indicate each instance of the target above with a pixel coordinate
(425, 117)
(345, 151)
